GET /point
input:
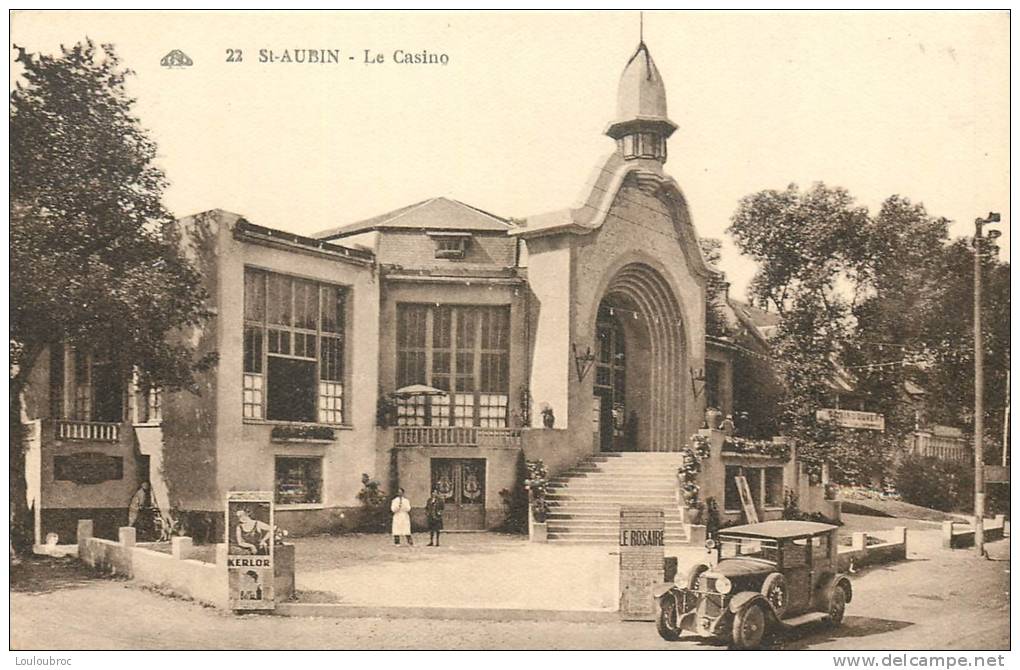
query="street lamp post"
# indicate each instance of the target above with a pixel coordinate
(979, 387)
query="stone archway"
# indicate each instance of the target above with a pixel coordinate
(644, 309)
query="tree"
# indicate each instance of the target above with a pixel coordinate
(95, 255)
(872, 300)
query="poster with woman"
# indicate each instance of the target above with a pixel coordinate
(249, 527)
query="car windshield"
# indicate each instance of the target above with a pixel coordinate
(748, 547)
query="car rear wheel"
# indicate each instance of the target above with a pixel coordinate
(837, 605)
(668, 622)
(749, 627)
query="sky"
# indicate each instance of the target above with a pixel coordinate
(914, 103)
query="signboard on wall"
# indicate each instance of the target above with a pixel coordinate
(746, 501)
(642, 546)
(249, 527)
(851, 419)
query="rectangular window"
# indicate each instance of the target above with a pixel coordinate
(773, 487)
(57, 381)
(461, 349)
(451, 246)
(82, 386)
(298, 481)
(148, 405)
(294, 348)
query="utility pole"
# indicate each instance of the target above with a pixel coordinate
(1005, 426)
(979, 387)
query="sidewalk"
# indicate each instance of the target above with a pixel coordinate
(477, 570)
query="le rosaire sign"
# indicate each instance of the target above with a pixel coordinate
(851, 419)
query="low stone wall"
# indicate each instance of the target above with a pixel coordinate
(958, 535)
(177, 571)
(859, 554)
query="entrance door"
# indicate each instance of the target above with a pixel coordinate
(461, 482)
(610, 383)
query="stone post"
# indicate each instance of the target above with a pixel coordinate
(126, 536)
(947, 534)
(85, 527)
(900, 535)
(221, 555)
(180, 547)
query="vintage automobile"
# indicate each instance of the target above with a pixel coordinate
(765, 576)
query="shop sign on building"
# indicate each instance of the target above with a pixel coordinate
(642, 547)
(249, 527)
(851, 419)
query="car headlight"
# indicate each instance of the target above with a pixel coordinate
(723, 585)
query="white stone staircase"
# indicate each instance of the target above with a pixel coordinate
(585, 501)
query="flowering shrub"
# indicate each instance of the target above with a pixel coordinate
(690, 467)
(537, 485)
(743, 445)
(279, 535)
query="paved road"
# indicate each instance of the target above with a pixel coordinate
(939, 599)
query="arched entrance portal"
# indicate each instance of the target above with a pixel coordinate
(638, 394)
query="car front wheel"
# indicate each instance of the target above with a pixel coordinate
(837, 605)
(749, 627)
(668, 621)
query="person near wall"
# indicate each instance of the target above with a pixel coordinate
(141, 513)
(401, 508)
(727, 426)
(434, 514)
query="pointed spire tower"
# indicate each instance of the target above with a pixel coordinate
(642, 125)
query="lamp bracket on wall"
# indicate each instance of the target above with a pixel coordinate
(583, 362)
(697, 376)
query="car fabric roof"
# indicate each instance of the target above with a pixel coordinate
(778, 529)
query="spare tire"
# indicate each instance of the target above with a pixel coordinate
(775, 592)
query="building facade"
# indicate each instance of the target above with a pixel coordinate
(436, 346)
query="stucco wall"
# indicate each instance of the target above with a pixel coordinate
(413, 248)
(209, 449)
(414, 475)
(246, 452)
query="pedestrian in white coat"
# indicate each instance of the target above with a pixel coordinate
(401, 508)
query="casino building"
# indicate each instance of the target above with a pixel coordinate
(435, 345)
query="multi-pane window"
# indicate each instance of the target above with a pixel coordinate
(298, 480)
(462, 350)
(293, 349)
(98, 388)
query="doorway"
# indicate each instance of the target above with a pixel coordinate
(461, 483)
(610, 384)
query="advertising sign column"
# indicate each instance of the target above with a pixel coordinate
(249, 527)
(642, 547)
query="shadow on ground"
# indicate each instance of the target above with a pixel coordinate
(818, 633)
(38, 575)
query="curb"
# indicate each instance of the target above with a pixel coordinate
(339, 611)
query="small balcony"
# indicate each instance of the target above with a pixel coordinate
(86, 431)
(456, 436)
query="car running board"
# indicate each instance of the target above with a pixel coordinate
(810, 617)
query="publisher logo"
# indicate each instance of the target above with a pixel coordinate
(176, 58)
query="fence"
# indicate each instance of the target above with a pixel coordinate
(860, 554)
(176, 571)
(957, 534)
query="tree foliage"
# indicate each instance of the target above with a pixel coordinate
(868, 302)
(95, 258)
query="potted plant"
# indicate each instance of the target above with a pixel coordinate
(712, 417)
(538, 506)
